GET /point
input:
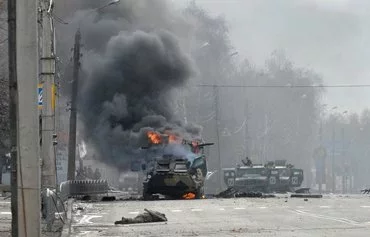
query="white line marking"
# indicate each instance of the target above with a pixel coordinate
(133, 213)
(176, 210)
(196, 209)
(5, 213)
(4, 202)
(86, 219)
(324, 206)
(239, 208)
(365, 206)
(222, 209)
(300, 207)
(262, 207)
(342, 220)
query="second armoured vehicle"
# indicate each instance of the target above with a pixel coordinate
(272, 177)
(176, 170)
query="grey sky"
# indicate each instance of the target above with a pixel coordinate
(329, 36)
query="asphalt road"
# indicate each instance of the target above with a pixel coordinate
(329, 216)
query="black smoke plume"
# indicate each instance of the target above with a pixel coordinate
(130, 70)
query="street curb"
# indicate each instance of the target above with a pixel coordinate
(67, 226)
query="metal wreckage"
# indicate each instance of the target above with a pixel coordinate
(275, 176)
(176, 167)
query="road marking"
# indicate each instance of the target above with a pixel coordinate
(196, 209)
(222, 209)
(86, 219)
(5, 213)
(239, 208)
(4, 202)
(365, 206)
(133, 213)
(262, 207)
(176, 210)
(324, 206)
(342, 220)
(300, 207)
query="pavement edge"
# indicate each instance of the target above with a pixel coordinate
(67, 226)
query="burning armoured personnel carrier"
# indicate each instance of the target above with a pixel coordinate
(177, 168)
(271, 177)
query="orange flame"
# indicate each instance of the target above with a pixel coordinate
(172, 138)
(189, 196)
(154, 137)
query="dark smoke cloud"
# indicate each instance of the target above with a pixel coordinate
(132, 64)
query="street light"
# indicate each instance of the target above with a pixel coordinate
(333, 164)
(113, 2)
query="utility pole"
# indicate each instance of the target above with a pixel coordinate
(13, 111)
(49, 93)
(333, 159)
(320, 161)
(216, 93)
(24, 98)
(344, 173)
(73, 115)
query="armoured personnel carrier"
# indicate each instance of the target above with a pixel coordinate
(271, 177)
(179, 171)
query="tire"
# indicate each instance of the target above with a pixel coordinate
(200, 193)
(146, 194)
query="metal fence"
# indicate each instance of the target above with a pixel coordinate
(54, 203)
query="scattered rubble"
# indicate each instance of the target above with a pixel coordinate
(233, 193)
(108, 199)
(146, 217)
(303, 190)
(299, 195)
(366, 191)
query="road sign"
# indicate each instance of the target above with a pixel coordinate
(39, 92)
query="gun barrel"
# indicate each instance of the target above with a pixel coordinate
(206, 144)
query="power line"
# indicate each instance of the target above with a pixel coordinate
(288, 86)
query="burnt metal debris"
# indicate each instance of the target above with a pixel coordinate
(234, 193)
(366, 191)
(146, 217)
(303, 195)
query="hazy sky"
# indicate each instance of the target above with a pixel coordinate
(329, 36)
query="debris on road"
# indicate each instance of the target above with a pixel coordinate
(146, 217)
(306, 195)
(303, 190)
(366, 191)
(108, 198)
(233, 193)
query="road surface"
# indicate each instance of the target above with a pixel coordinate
(329, 216)
(5, 217)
